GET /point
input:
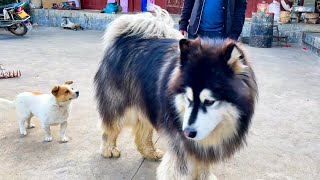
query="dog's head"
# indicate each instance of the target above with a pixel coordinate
(65, 93)
(214, 89)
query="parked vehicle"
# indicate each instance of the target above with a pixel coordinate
(14, 19)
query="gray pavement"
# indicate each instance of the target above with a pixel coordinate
(283, 142)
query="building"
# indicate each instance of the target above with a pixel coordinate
(173, 6)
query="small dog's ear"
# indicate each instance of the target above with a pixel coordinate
(55, 90)
(68, 82)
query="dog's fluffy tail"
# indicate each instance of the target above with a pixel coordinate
(146, 25)
(6, 105)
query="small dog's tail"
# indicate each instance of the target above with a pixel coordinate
(6, 105)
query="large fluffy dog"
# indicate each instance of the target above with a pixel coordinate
(199, 94)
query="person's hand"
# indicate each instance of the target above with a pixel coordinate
(184, 33)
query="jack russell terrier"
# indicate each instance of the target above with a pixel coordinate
(52, 109)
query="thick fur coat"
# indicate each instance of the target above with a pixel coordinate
(198, 94)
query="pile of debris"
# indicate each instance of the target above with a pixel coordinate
(8, 74)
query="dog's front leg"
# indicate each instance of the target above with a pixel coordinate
(63, 127)
(47, 131)
(173, 168)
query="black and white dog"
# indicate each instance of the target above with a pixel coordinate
(198, 94)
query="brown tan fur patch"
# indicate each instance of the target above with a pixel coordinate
(36, 93)
(68, 82)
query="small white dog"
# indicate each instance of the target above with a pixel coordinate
(51, 109)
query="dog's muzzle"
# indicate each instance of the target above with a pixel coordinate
(76, 94)
(190, 133)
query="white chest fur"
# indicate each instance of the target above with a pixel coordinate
(57, 114)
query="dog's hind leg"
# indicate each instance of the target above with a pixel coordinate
(22, 120)
(22, 128)
(29, 124)
(47, 132)
(109, 141)
(143, 138)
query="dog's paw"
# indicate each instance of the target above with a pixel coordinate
(48, 139)
(31, 126)
(23, 133)
(208, 175)
(154, 155)
(111, 152)
(213, 177)
(64, 139)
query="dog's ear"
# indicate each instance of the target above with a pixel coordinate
(55, 90)
(235, 57)
(68, 82)
(186, 46)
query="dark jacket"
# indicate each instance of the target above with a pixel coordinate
(234, 13)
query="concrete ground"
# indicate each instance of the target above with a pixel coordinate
(283, 142)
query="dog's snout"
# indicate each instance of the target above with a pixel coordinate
(76, 94)
(190, 132)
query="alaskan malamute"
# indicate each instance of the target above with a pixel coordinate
(198, 94)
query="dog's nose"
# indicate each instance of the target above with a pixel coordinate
(77, 93)
(190, 132)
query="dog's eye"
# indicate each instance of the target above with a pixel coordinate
(208, 102)
(67, 91)
(72, 88)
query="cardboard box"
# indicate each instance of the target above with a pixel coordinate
(47, 4)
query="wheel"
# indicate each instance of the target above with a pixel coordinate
(81, 28)
(75, 29)
(18, 29)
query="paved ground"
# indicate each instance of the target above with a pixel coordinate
(283, 143)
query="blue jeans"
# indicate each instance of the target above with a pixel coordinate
(208, 34)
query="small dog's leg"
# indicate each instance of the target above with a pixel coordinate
(30, 125)
(22, 128)
(47, 131)
(23, 117)
(63, 127)
(109, 142)
(143, 139)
